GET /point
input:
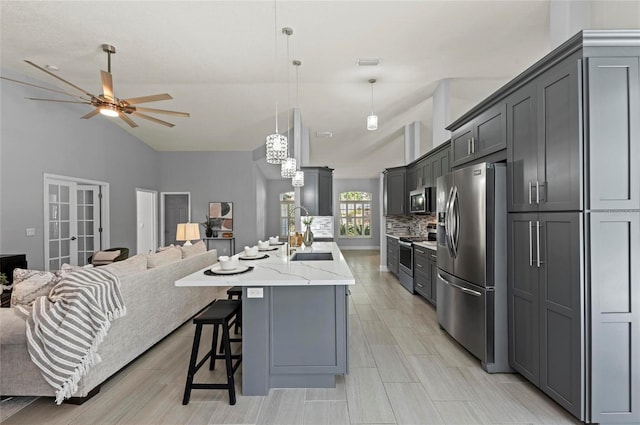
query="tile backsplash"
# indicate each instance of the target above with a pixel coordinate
(322, 226)
(409, 224)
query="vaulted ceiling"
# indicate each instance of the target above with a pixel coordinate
(216, 58)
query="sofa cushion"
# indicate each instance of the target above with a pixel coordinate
(102, 258)
(195, 249)
(168, 256)
(31, 284)
(131, 265)
(164, 248)
(65, 269)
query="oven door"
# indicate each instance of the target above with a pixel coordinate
(406, 257)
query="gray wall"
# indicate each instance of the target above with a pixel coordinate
(41, 137)
(363, 185)
(215, 177)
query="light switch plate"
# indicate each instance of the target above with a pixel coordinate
(31, 231)
(255, 292)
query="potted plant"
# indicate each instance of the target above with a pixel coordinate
(4, 282)
(208, 226)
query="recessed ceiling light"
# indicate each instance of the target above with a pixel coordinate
(325, 134)
(52, 68)
(368, 62)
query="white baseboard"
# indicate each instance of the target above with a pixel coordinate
(383, 268)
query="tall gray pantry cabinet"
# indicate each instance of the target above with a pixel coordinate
(573, 160)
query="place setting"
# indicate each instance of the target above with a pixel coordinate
(227, 266)
(252, 253)
(266, 246)
(275, 241)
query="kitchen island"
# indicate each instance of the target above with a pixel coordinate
(294, 317)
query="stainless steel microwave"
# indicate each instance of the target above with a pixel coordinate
(421, 201)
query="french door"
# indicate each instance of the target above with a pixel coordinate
(73, 220)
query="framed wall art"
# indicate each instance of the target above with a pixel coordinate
(221, 215)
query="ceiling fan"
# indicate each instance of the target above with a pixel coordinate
(107, 103)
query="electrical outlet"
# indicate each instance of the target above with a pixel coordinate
(255, 292)
(31, 231)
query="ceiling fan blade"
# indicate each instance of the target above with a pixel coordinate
(107, 85)
(147, 117)
(163, 111)
(55, 100)
(145, 99)
(44, 88)
(91, 114)
(128, 120)
(61, 79)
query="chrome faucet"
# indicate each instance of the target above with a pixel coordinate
(292, 212)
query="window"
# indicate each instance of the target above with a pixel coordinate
(287, 217)
(355, 215)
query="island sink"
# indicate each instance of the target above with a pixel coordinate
(312, 256)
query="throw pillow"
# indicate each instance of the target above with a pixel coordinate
(65, 269)
(164, 248)
(101, 258)
(31, 284)
(131, 265)
(195, 249)
(168, 256)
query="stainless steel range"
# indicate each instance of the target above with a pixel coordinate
(405, 275)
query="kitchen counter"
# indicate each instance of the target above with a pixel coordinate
(432, 245)
(294, 319)
(279, 270)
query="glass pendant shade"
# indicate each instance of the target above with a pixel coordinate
(372, 122)
(288, 168)
(277, 148)
(298, 179)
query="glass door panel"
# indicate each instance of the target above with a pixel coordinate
(88, 223)
(60, 209)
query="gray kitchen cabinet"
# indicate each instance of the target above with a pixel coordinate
(423, 172)
(440, 163)
(425, 271)
(614, 131)
(317, 193)
(544, 141)
(546, 289)
(393, 255)
(484, 135)
(412, 178)
(615, 310)
(395, 198)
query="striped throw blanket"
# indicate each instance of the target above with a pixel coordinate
(65, 329)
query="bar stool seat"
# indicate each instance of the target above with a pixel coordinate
(220, 313)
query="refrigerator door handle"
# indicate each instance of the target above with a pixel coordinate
(462, 288)
(448, 222)
(455, 209)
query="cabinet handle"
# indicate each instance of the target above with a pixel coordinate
(473, 145)
(538, 243)
(469, 147)
(530, 246)
(419, 265)
(530, 191)
(419, 285)
(417, 250)
(537, 192)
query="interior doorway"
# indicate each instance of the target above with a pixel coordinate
(175, 207)
(76, 219)
(147, 221)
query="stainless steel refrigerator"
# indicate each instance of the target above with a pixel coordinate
(472, 261)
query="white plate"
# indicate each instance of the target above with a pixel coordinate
(252, 257)
(238, 269)
(268, 249)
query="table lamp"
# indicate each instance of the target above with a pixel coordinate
(187, 232)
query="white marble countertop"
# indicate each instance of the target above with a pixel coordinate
(432, 245)
(279, 270)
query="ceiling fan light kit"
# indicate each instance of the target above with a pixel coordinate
(107, 103)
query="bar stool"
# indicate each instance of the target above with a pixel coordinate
(236, 291)
(219, 313)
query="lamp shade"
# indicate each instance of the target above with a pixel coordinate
(277, 148)
(372, 122)
(298, 179)
(288, 168)
(187, 232)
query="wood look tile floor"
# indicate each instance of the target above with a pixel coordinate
(404, 370)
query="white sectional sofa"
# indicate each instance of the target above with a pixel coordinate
(155, 307)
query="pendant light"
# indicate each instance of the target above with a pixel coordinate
(372, 120)
(288, 167)
(277, 145)
(298, 179)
